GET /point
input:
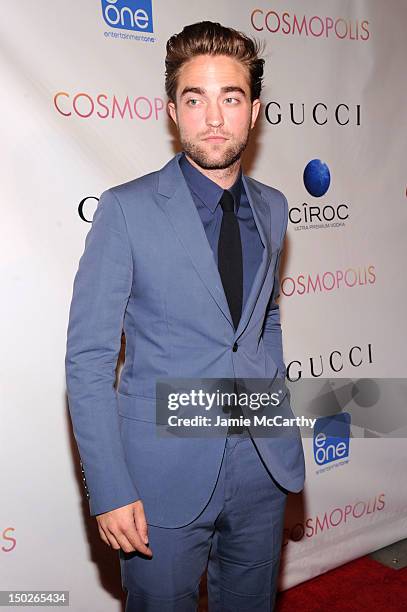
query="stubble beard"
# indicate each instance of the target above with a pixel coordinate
(203, 159)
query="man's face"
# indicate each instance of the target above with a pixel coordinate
(213, 111)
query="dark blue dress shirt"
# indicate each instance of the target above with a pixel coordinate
(206, 195)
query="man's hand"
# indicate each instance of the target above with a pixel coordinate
(125, 528)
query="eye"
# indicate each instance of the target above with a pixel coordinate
(231, 100)
(192, 101)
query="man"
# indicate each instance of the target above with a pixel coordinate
(186, 260)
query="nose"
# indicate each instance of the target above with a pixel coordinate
(214, 116)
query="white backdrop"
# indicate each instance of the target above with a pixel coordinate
(83, 109)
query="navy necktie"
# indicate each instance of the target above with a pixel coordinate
(230, 259)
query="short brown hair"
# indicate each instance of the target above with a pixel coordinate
(210, 38)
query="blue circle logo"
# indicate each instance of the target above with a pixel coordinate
(317, 178)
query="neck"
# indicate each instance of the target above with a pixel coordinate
(224, 177)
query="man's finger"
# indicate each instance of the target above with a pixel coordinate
(125, 543)
(103, 535)
(141, 524)
(134, 538)
(112, 539)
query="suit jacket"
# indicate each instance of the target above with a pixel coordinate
(147, 268)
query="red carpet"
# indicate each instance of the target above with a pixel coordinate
(363, 584)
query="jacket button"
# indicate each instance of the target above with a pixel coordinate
(235, 347)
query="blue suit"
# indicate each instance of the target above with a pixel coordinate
(147, 268)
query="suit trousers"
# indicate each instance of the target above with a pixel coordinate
(237, 537)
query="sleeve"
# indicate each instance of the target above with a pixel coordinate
(101, 290)
(272, 334)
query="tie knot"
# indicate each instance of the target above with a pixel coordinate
(227, 201)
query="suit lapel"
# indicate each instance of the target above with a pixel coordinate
(262, 217)
(184, 218)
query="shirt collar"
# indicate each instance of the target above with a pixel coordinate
(207, 190)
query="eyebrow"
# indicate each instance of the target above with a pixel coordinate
(202, 91)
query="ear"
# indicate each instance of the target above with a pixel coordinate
(255, 111)
(172, 111)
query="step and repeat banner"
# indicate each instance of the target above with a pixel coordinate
(83, 108)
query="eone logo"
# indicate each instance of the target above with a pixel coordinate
(331, 438)
(128, 14)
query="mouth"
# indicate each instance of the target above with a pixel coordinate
(215, 139)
